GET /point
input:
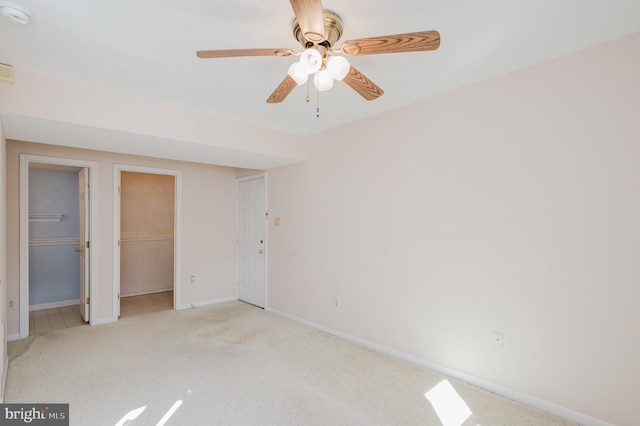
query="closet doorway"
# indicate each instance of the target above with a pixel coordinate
(146, 215)
(57, 237)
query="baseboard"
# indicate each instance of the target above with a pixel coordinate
(52, 305)
(5, 366)
(540, 404)
(144, 293)
(206, 302)
(5, 370)
(12, 337)
(104, 321)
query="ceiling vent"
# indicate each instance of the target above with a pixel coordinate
(6, 74)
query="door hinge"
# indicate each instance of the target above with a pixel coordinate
(118, 243)
(88, 188)
(118, 190)
(118, 296)
(87, 301)
(86, 244)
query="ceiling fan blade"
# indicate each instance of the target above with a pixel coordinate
(231, 53)
(361, 84)
(309, 16)
(409, 42)
(282, 91)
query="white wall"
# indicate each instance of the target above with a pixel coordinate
(208, 246)
(3, 264)
(512, 205)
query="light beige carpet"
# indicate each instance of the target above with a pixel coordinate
(138, 305)
(235, 364)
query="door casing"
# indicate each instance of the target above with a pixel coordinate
(83, 207)
(25, 161)
(177, 217)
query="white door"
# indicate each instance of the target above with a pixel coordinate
(83, 250)
(252, 217)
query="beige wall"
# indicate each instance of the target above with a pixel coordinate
(512, 205)
(3, 263)
(208, 248)
(69, 113)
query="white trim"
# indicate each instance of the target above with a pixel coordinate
(177, 234)
(116, 245)
(53, 242)
(540, 404)
(207, 302)
(5, 364)
(252, 177)
(105, 321)
(45, 217)
(25, 161)
(53, 305)
(5, 370)
(262, 175)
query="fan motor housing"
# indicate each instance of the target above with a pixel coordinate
(332, 29)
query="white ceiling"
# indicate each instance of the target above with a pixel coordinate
(148, 47)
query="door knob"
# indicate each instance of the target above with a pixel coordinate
(260, 251)
(77, 249)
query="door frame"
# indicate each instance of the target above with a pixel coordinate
(177, 220)
(84, 194)
(25, 161)
(266, 231)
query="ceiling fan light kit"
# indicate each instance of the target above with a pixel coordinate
(311, 61)
(297, 73)
(323, 80)
(318, 30)
(326, 69)
(338, 66)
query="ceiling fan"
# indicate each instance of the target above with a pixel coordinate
(318, 30)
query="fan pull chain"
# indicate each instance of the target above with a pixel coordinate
(308, 97)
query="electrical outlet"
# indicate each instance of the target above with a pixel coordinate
(336, 302)
(193, 278)
(499, 339)
(11, 304)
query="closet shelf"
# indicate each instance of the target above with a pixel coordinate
(45, 217)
